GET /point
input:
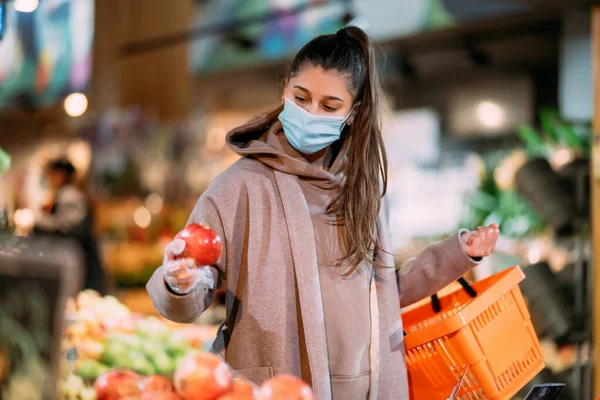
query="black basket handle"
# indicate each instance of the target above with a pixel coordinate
(435, 301)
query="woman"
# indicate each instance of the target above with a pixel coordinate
(309, 278)
(70, 215)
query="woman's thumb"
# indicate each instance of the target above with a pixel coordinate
(174, 249)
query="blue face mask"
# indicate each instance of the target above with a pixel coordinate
(309, 133)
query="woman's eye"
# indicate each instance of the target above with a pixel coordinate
(300, 99)
(329, 109)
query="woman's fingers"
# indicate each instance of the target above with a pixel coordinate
(475, 244)
(489, 236)
(182, 275)
(174, 249)
(482, 242)
(180, 266)
(482, 250)
(180, 271)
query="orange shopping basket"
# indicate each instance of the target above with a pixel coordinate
(491, 334)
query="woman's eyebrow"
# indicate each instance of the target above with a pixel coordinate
(326, 97)
(303, 89)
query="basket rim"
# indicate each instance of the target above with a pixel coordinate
(510, 278)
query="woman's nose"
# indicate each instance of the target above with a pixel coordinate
(313, 108)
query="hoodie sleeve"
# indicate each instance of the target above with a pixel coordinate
(436, 267)
(187, 308)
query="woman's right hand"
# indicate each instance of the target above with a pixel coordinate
(183, 274)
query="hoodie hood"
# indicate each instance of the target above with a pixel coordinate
(264, 140)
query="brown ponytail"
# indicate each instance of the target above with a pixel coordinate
(358, 200)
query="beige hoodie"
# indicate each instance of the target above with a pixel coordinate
(346, 302)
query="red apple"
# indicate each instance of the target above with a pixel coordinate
(157, 383)
(160, 396)
(201, 243)
(117, 384)
(241, 390)
(285, 387)
(202, 376)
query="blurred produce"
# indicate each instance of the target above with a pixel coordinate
(202, 376)
(504, 206)
(241, 390)
(118, 384)
(114, 354)
(285, 387)
(107, 335)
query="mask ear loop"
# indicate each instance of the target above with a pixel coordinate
(345, 124)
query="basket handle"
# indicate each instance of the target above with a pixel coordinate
(435, 301)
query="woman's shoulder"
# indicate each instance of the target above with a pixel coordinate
(244, 172)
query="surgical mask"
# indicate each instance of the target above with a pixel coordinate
(309, 133)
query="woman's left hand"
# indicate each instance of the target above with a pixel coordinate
(482, 242)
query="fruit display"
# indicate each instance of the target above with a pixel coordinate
(105, 334)
(199, 376)
(102, 335)
(201, 243)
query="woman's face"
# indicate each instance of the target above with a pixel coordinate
(320, 92)
(56, 178)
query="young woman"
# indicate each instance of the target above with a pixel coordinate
(70, 215)
(311, 288)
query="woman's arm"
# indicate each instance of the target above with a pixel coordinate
(186, 308)
(436, 267)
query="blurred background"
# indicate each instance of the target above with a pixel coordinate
(491, 121)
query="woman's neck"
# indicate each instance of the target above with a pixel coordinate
(318, 159)
(324, 158)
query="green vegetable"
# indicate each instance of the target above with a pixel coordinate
(136, 361)
(150, 348)
(178, 349)
(163, 363)
(152, 328)
(114, 353)
(90, 369)
(131, 341)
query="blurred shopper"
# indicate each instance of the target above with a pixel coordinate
(69, 214)
(307, 266)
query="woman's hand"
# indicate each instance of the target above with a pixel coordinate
(482, 242)
(182, 274)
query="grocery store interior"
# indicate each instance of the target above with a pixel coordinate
(494, 118)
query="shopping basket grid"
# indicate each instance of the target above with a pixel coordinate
(491, 333)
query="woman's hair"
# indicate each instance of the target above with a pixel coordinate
(358, 201)
(62, 165)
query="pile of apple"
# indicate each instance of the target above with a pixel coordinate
(107, 335)
(201, 376)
